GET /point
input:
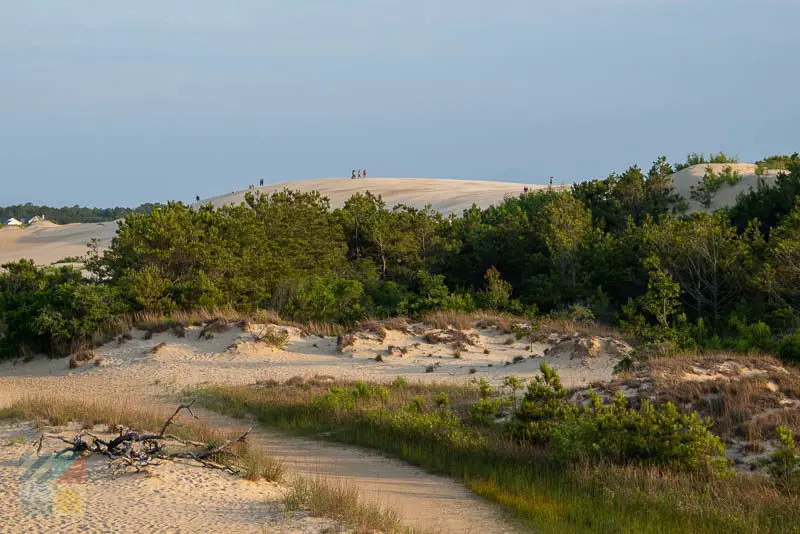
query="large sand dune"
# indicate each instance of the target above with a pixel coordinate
(447, 196)
(684, 180)
(47, 243)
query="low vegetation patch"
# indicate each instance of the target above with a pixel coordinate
(340, 501)
(344, 341)
(557, 466)
(273, 336)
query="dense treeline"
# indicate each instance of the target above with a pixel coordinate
(70, 214)
(616, 250)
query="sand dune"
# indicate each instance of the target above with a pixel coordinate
(447, 196)
(687, 178)
(47, 243)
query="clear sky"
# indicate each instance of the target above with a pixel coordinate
(117, 103)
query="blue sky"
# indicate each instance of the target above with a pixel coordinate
(110, 103)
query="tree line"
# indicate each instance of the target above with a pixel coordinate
(70, 214)
(617, 250)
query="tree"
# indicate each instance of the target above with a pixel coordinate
(496, 293)
(783, 257)
(705, 256)
(659, 305)
(563, 225)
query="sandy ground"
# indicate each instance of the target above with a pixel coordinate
(48, 492)
(422, 500)
(446, 196)
(725, 197)
(47, 243)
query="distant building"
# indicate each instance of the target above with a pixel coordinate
(12, 222)
(35, 218)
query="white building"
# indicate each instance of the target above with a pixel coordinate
(12, 222)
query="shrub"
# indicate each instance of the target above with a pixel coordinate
(178, 330)
(789, 348)
(496, 293)
(216, 326)
(784, 467)
(615, 432)
(52, 310)
(343, 341)
(273, 336)
(79, 357)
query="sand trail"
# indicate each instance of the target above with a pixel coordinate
(130, 372)
(425, 502)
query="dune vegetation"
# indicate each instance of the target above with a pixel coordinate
(555, 464)
(605, 256)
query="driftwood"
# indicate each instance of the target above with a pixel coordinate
(135, 450)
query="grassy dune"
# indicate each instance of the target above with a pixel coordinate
(544, 496)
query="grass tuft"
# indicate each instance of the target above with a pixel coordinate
(340, 501)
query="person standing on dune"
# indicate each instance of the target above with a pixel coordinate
(365, 173)
(359, 173)
(353, 176)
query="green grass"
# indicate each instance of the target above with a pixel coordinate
(405, 421)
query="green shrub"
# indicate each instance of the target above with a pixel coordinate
(789, 348)
(53, 309)
(615, 432)
(273, 336)
(496, 293)
(784, 467)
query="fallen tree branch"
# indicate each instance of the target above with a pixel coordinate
(136, 450)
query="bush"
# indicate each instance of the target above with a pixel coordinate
(615, 432)
(273, 336)
(52, 310)
(784, 467)
(344, 341)
(496, 292)
(789, 348)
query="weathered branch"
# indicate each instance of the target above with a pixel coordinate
(136, 450)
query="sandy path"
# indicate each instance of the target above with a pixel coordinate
(423, 500)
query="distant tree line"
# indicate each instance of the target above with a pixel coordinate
(70, 214)
(616, 250)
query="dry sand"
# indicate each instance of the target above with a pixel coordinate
(684, 180)
(446, 196)
(49, 493)
(422, 500)
(46, 243)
